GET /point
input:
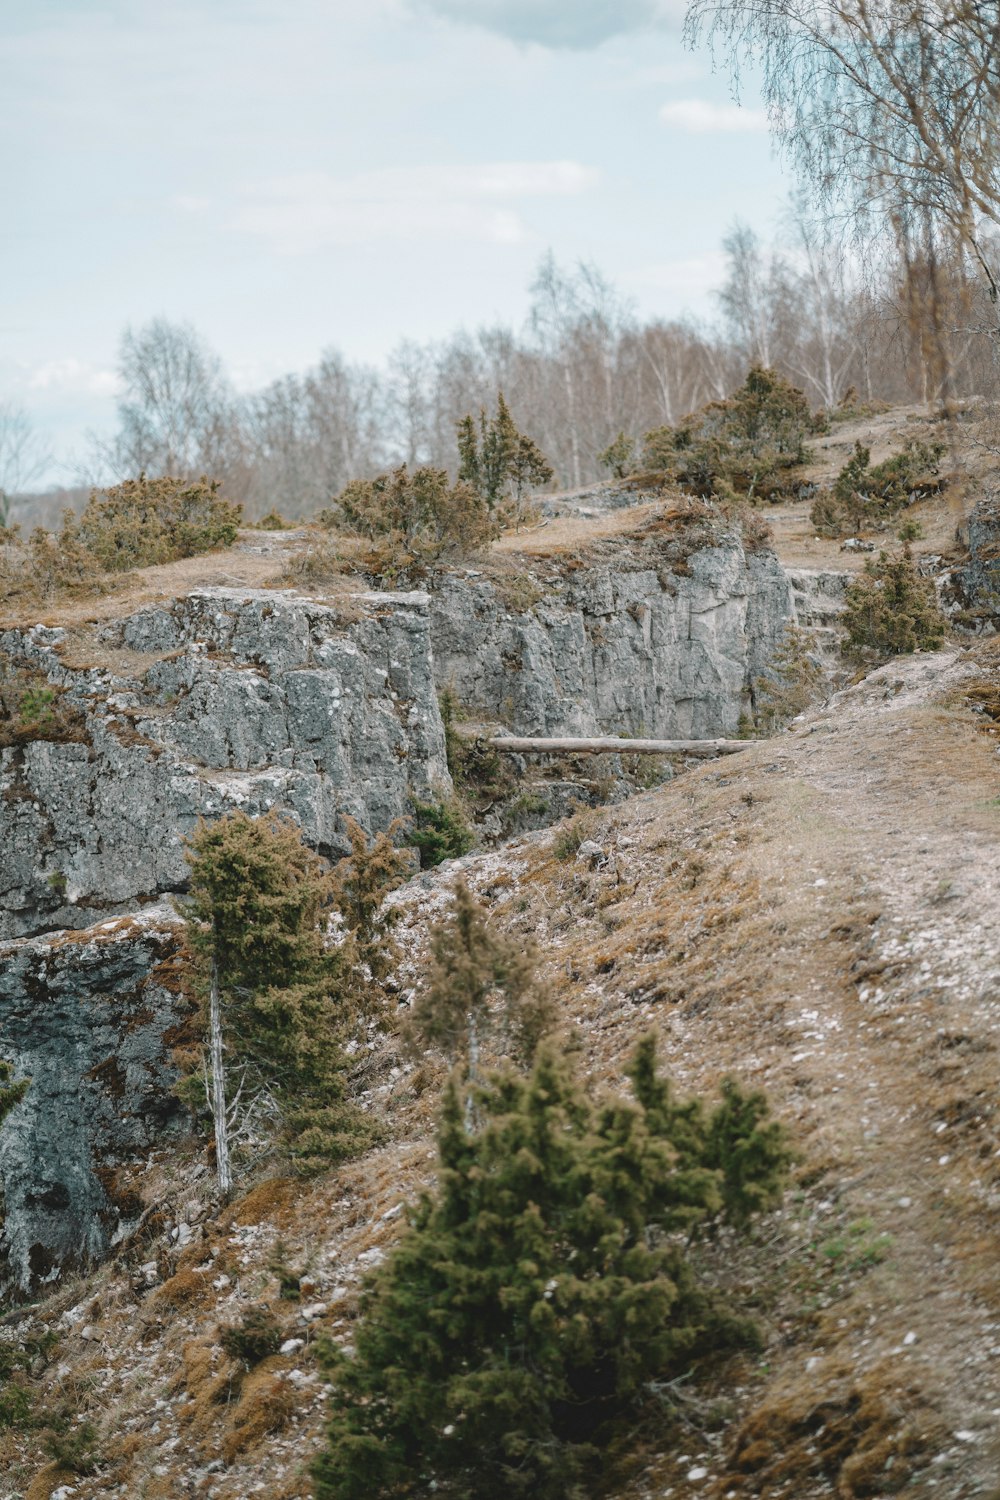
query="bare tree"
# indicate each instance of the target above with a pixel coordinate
(407, 390)
(823, 354)
(23, 457)
(176, 415)
(747, 294)
(890, 109)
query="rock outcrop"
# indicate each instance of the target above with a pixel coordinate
(971, 593)
(90, 1018)
(628, 644)
(260, 699)
(227, 698)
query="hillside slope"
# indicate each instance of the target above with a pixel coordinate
(815, 915)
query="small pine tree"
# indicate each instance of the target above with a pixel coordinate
(511, 1336)
(498, 460)
(794, 680)
(890, 610)
(278, 996)
(619, 456)
(498, 449)
(469, 470)
(479, 985)
(358, 888)
(438, 832)
(529, 469)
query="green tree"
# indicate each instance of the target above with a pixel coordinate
(358, 888)
(278, 995)
(439, 831)
(536, 1295)
(479, 985)
(890, 610)
(498, 460)
(619, 456)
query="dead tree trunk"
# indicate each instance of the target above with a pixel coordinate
(223, 1168)
(606, 745)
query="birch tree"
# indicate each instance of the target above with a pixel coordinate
(889, 109)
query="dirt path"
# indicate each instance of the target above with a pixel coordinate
(819, 916)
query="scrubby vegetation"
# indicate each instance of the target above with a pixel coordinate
(867, 497)
(546, 1293)
(253, 1339)
(619, 456)
(358, 888)
(145, 521)
(439, 831)
(11, 1094)
(794, 680)
(480, 987)
(131, 525)
(257, 902)
(892, 610)
(32, 708)
(745, 447)
(501, 464)
(413, 517)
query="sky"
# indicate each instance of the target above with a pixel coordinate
(294, 175)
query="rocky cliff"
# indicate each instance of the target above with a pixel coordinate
(263, 699)
(636, 642)
(90, 1018)
(226, 698)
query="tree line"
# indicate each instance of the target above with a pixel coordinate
(582, 369)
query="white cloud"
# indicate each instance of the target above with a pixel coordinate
(694, 276)
(702, 117)
(74, 376)
(575, 25)
(188, 203)
(312, 210)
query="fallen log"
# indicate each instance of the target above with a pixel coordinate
(608, 745)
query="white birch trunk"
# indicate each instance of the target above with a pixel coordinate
(223, 1168)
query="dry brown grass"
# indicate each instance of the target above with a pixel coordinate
(235, 568)
(865, 1434)
(271, 1199)
(566, 535)
(187, 1288)
(47, 1480)
(266, 1403)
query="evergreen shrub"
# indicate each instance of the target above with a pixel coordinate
(259, 899)
(439, 831)
(145, 521)
(545, 1289)
(890, 610)
(739, 448)
(867, 496)
(415, 517)
(500, 463)
(256, 1337)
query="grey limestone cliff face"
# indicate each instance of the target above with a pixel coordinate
(971, 593)
(232, 698)
(89, 1017)
(626, 645)
(226, 698)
